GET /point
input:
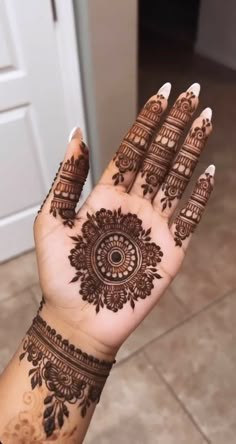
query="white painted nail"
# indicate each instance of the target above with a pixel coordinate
(71, 133)
(207, 113)
(211, 170)
(165, 90)
(195, 88)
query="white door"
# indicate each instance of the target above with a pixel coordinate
(35, 118)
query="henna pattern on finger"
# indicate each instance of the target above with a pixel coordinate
(135, 143)
(70, 376)
(69, 187)
(53, 182)
(162, 149)
(184, 164)
(190, 216)
(115, 260)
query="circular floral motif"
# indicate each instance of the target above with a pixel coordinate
(118, 260)
(62, 384)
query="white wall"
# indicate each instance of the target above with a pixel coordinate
(217, 31)
(107, 37)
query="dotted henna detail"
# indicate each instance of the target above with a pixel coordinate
(115, 260)
(184, 164)
(164, 145)
(69, 187)
(135, 143)
(69, 375)
(190, 216)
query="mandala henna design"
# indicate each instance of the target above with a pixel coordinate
(163, 148)
(191, 215)
(70, 376)
(114, 259)
(68, 190)
(184, 164)
(135, 143)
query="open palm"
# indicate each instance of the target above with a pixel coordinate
(103, 268)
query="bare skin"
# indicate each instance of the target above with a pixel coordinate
(102, 269)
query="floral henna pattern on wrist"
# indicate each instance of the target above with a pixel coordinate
(115, 260)
(70, 376)
(135, 143)
(69, 187)
(162, 149)
(190, 216)
(184, 164)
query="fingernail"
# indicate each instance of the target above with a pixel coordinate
(75, 132)
(207, 113)
(165, 90)
(211, 170)
(195, 88)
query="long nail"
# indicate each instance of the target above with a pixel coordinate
(195, 88)
(165, 90)
(211, 170)
(75, 133)
(207, 113)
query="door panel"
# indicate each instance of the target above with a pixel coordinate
(33, 121)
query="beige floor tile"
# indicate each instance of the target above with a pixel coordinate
(16, 314)
(17, 274)
(164, 316)
(137, 407)
(198, 360)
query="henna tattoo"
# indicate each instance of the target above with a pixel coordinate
(26, 426)
(163, 148)
(114, 259)
(54, 180)
(135, 143)
(191, 215)
(184, 164)
(69, 375)
(69, 187)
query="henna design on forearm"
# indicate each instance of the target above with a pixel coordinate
(135, 143)
(114, 259)
(190, 216)
(67, 192)
(162, 149)
(70, 376)
(184, 164)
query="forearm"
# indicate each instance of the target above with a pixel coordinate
(50, 388)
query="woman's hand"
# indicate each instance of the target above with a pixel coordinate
(103, 268)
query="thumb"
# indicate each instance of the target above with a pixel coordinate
(67, 186)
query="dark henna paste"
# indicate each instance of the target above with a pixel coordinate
(116, 261)
(184, 164)
(135, 143)
(70, 376)
(164, 145)
(191, 215)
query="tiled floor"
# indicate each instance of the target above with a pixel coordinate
(175, 381)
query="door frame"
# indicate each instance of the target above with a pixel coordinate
(70, 66)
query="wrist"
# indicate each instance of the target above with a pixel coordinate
(76, 334)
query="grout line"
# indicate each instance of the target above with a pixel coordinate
(176, 326)
(175, 396)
